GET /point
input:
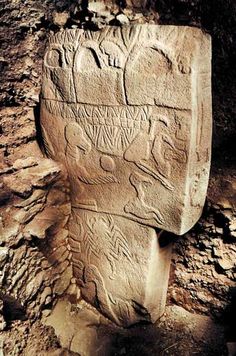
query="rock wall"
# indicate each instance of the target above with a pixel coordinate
(204, 268)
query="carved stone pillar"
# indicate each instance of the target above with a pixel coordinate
(128, 112)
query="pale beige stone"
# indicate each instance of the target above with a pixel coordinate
(60, 18)
(141, 96)
(31, 175)
(128, 112)
(119, 266)
(42, 222)
(4, 251)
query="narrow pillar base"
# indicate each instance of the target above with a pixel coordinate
(120, 266)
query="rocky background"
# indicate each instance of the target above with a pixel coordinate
(33, 192)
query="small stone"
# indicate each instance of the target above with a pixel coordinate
(38, 194)
(228, 214)
(206, 244)
(225, 203)
(33, 96)
(46, 312)
(17, 186)
(2, 321)
(138, 16)
(72, 291)
(115, 10)
(48, 300)
(3, 254)
(3, 325)
(214, 206)
(33, 286)
(63, 281)
(205, 260)
(141, 20)
(233, 233)
(26, 73)
(97, 6)
(216, 252)
(78, 294)
(24, 163)
(34, 74)
(24, 216)
(19, 273)
(128, 12)
(8, 232)
(42, 222)
(45, 264)
(209, 226)
(232, 225)
(219, 230)
(225, 263)
(45, 295)
(60, 18)
(123, 19)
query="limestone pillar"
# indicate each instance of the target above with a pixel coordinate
(128, 112)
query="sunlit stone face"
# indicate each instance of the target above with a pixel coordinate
(128, 112)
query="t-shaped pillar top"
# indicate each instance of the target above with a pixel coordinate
(136, 103)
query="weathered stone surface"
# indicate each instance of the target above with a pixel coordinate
(33, 273)
(128, 112)
(31, 175)
(3, 255)
(42, 222)
(120, 266)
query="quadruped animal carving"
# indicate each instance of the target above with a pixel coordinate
(127, 110)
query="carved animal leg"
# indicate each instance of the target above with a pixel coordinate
(138, 207)
(143, 211)
(92, 274)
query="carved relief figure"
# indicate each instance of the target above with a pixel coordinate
(138, 206)
(99, 238)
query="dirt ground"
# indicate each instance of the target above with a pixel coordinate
(70, 330)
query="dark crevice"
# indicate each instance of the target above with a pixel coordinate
(39, 134)
(12, 309)
(166, 238)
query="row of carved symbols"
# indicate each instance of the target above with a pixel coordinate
(100, 236)
(105, 238)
